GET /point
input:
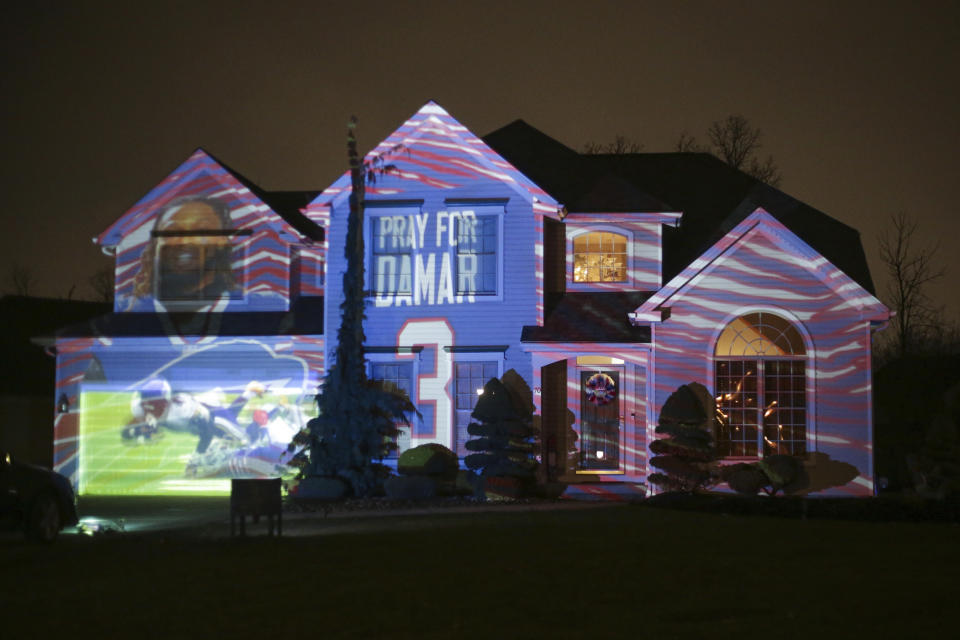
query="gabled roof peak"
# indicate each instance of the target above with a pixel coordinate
(203, 175)
(432, 150)
(432, 108)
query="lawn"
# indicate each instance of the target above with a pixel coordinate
(620, 571)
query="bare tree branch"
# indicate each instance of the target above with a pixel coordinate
(20, 279)
(102, 283)
(620, 144)
(737, 143)
(686, 143)
(910, 268)
(734, 140)
(766, 171)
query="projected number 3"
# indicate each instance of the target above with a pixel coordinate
(432, 387)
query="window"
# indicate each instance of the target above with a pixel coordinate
(469, 378)
(761, 387)
(418, 258)
(600, 256)
(392, 266)
(476, 251)
(193, 252)
(400, 374)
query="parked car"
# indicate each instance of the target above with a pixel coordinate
(38, 500)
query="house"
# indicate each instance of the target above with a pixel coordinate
(605, 281)
(26, 395)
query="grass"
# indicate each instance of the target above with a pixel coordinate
(614, 571)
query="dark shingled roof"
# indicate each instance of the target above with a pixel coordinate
(712, 195)
(590, 317)
(306, 318)
(286, 204)
(25, 370)
(612, 194)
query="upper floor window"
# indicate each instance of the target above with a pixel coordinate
(476, 249)
(393, 249)
(444, 257)
(761, 387)
(191, 254)
(600, 256)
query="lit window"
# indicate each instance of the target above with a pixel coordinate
(761, 387)
(600, 257)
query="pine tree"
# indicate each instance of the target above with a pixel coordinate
(356, 425)
(686, 457)
(504, 442)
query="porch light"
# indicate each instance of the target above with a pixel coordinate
(599, 455)
(480, 391)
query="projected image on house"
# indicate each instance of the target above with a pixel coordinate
(448, 257)
(191, 425)
(190, 254)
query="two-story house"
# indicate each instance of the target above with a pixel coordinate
(605, 281)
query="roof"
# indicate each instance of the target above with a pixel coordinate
(24, 368)
(610, 193)
(305, 318)
(286, 204)
(713, 196)
(432, 150)
(203, 173)
(591, 317)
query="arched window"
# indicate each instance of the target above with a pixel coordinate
(600, 256)
(761, 387)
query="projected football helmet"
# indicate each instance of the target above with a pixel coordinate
(152, 401)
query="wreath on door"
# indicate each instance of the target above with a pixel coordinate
(601, 389)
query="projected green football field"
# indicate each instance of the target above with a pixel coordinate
(109, 465)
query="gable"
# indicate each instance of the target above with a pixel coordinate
(713, 196)
(763, 259)
(238, 246)
(431, 150)
(201, 175)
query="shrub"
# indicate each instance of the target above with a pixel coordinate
(685, 457)
(504, 442)
(430, 459)
(745, 479)
(467, 483)
(773, 474)
(321, 488)
(784, 473)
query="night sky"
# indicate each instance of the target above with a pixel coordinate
(858, 103)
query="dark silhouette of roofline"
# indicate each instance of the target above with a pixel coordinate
(712, 195)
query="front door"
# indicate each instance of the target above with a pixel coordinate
(600, 420)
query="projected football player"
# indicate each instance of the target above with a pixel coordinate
(156, 406)
(189, 257)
